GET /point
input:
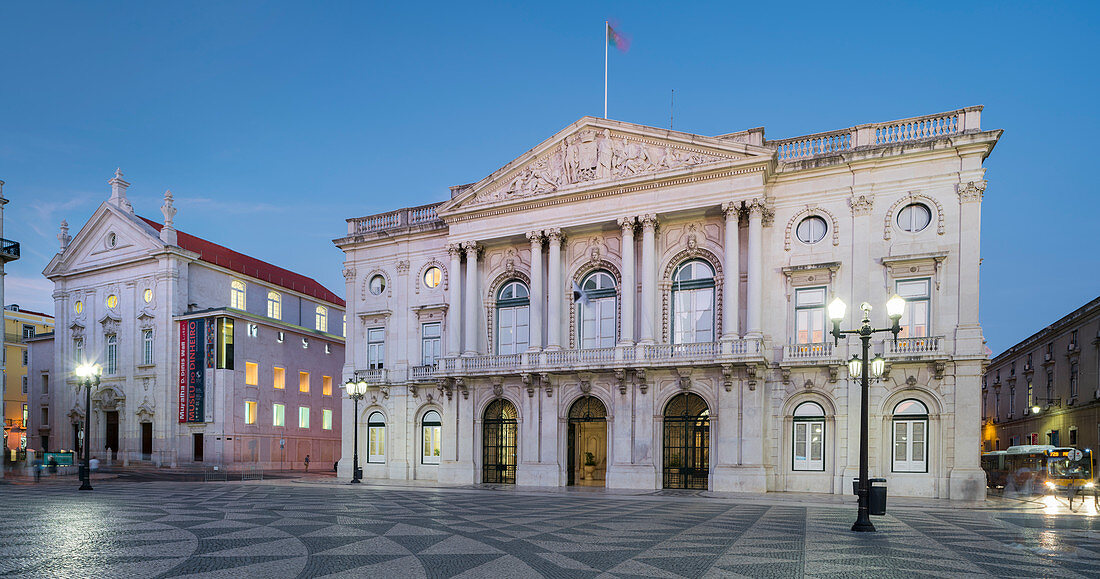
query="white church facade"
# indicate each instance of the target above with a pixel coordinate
(641, 308)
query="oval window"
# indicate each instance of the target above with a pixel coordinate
(147, 295)
(433, 277)
(377, 285)
(914, 217)
(112, 240)
(811, 229)
(79, 307)
(112, 301)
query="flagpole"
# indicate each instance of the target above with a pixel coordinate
(605, 29)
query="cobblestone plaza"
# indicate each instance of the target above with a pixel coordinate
(296, 529)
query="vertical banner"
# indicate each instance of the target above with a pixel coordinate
(192, 370)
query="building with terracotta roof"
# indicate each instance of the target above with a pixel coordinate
(206, 354)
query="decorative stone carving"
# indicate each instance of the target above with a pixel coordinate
(626, 224)
(498, 389)
(63, 237)
(727, 377)
(833, 372)
(972, 191)
(642, 385)
(414, 391)
(750, 372)
(402, 266)
(911, 381)
(110, 324)
(938, 369)
(586, 386)
(808, 384)
(785, 374)
(529, 383)
(461, 385)
(862, 204)
(454, 250)
(167, 209)
(620, 378)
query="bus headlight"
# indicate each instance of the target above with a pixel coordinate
(1090, 484)
(1051, 485)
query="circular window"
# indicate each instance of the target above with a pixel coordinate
(112, 240)
(377, 285)
(79, 307)
(914, 217)
(811, 229)
(112, 301)
(147, 295)
(433, 277)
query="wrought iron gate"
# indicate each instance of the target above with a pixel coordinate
(498, 436)
(686, 463)
(585, 409)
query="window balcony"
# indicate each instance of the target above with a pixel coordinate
(9, 250)
(373, 376)
(422, 373)
(808, 354)
(926, 347)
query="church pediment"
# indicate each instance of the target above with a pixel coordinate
(597, 152)
(110, 236)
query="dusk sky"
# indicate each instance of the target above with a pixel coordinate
(273, 122)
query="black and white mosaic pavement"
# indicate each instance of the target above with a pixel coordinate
(287, 529)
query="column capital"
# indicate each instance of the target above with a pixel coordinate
(535, 236)
(649, 220)
(554, 235)
(756, 207)
(626, 224)
(971, 191)
(732, 210)
(454, 249)
(471, 248)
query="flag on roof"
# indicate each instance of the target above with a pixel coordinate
(616, 39)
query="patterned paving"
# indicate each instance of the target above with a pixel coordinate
(286, 529)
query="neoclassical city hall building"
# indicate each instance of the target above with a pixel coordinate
(635, 307)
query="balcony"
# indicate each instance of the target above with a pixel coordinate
(373, 376)
(9, 250)
(401, 218)
(809, 354)
(422, 373)
(927, 347)
(640, 356)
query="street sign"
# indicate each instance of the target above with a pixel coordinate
(1075, 455)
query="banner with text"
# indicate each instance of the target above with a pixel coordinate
(192, 372)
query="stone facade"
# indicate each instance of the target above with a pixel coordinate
(19, 325)
(1046, 389)
(124, 284)
(656, 299)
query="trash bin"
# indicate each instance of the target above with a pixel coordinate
(876, 501)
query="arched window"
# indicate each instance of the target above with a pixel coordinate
(596, 310)
(236, 294)
(910, 436)
(513, 318)
(809, 437)
(431, 428)
(274, 305)
(376, 438)
(693, 303)
(322, 318)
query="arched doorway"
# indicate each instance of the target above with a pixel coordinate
(587, 436)
(686, 456)
(499, 431)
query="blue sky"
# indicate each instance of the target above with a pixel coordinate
(272, 122)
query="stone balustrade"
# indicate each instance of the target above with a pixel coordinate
(922, 346)
(394, 219)
(879, 134)
(374, 376)
(422, 373)
(811, 352)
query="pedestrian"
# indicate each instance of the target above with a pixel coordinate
(37, 469)
(52, 465)
(94, 464)
(307, 463)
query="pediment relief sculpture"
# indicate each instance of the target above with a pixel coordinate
(594, 156)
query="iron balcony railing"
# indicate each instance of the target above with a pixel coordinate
(9, 250)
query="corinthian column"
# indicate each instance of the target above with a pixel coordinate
(554, 283)
(626, 309)
(537, 298)
(471, 298)
(454, 300)
(649, 278)
(731, 263)
(756, 268)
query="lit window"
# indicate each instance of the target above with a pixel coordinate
(236, 294)
(811, 229)
(376, 438)
(147, 295)
(915, 317)
(809, 437)
(377, 285)
(28, 331)
(910, 436)
(250, 412)
(147, 347)
(78, 351)
(278, 415)
(251, 373)
(274, 305)
(513, 318)
(693, 303)
(433, 277)
(303, 417)
(112, 301)
(303, 381)
(326, 419)
(809, 315)
(112, 354)
(253, 330)
(225, 343)
(326, 385)
(280, 378)
(431, 430)
(430, 343)
(597, 311)
(78, 307)
(914, 217)
(322, 318)
(344, 332)
(376, 348)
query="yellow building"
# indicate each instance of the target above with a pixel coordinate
(18, 324)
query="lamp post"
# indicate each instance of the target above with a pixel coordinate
(864, 367)
(356, 390)
(87, 372)
(1035, 409)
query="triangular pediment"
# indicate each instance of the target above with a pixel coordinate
(111, 236)
(593, 153)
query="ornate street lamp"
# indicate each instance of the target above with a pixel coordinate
(865, 369)
(87, 373)
(356, 390)
(1049, 401)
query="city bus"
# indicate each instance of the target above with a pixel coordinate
(1041, 469)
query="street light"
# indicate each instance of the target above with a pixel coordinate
(87, 372)
(865, 369)
(1050, 402)
(356, 390)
